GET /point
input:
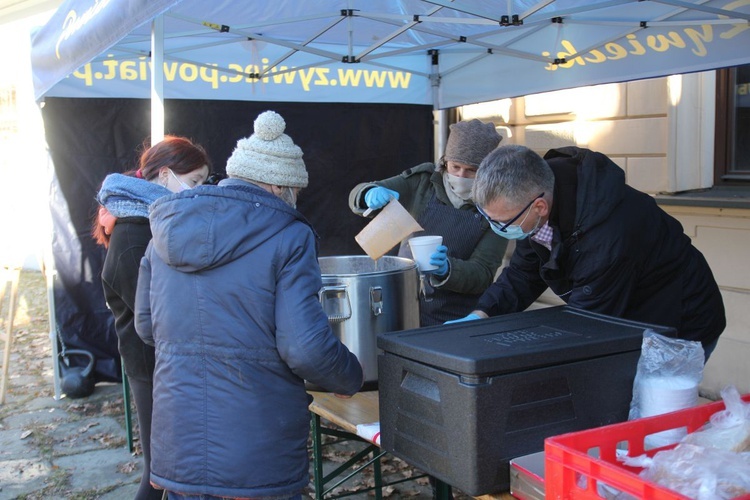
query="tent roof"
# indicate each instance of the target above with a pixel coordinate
(440, 52)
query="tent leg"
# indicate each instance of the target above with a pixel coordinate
(444, 119)
(49, 273)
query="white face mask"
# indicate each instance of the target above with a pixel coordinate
(461, 186)
(183, 186)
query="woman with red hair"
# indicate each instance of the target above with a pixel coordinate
(122, 226)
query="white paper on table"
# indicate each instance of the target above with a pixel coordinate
(370, 432)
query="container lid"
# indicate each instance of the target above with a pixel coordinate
(519, 341)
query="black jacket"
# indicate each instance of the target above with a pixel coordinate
(127, 245)
(615, 252)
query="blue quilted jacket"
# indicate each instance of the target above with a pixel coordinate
(227, 292)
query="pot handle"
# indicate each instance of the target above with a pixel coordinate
(335, 302)
(376, 300)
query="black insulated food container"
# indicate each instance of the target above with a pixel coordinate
(459, 401)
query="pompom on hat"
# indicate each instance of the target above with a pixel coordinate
(469, 142)
(269, 155)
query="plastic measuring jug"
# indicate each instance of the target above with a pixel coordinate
(386, 230)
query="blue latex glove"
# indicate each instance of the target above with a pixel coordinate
(378, 197)
(470, 317)
(440, 259)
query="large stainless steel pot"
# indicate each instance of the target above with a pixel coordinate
(363, 298)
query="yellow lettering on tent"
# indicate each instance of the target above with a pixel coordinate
(662, 43)
(638, 49)
(284, 75)
(128, 70)
(738, 28)
(322, 74)
(616, 51)
(143, 66)
(399, 79)
(596, 56)
(251, 69)
(238, 77)
(86, 74)
(170, 71)
(374, 79)
(349, 78)
(698, 38)
(569, 51)
(265, 69)
(111, 66)
(306, 77)
(213, 74)
(188, 72)
(210, 75)
(743, 89)
(73, 23)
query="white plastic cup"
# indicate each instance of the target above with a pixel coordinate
(666, 394)
(421, 249)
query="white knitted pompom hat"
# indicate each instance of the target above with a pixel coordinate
(269, 155)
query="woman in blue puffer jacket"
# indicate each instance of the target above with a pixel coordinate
(228, 295)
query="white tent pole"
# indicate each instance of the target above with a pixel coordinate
(440, 116)
(157, 79)
(443, 121)
(48, 269)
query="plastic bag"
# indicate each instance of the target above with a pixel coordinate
(667, 378)
(728, 429)
(700, 472)
(703, 465)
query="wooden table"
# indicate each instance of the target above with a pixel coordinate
(362, 408)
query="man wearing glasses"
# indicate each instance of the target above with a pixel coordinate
(596, 242)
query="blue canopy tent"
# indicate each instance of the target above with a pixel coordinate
(444, 53)
(437, 54)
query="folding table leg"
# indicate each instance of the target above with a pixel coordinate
(317, 456)
(443, 491)
(126, 404)
(377, 474)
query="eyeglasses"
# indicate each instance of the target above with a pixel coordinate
(502, 226)
(214, 178)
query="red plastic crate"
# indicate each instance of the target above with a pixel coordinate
(567, 456)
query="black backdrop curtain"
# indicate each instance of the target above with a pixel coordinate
(343, 144)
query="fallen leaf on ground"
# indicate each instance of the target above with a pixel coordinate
(410, 493)
(127, 467)
(88, 426)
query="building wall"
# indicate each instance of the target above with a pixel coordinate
(660, 132)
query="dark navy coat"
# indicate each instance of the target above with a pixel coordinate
(615, 252)
(228, 294)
